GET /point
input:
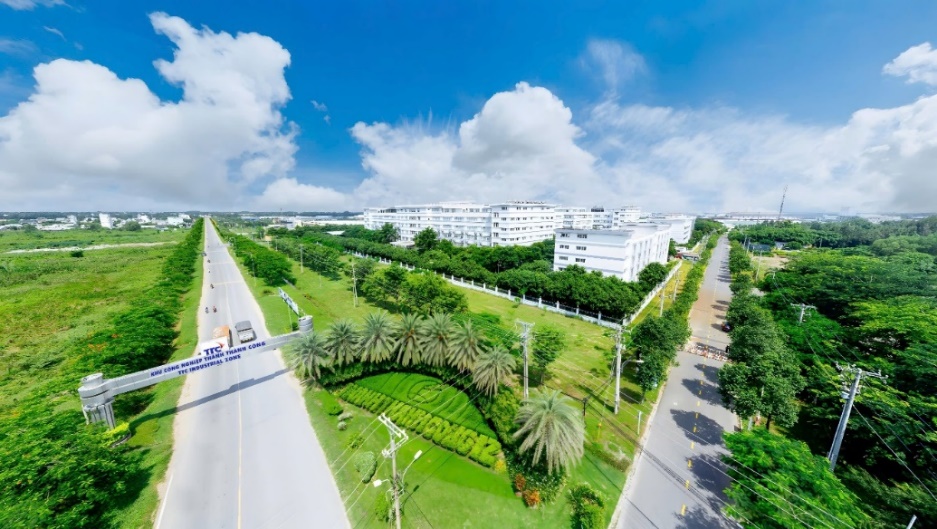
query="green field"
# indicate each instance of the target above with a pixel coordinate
(58, 311)
(430, 395)
(20, 240)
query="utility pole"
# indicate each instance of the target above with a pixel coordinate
(803, 308)
(525, 342)
(661, 314)
(300, 258)
(397, 438)
(675, 285)
(619, 345)
(354, 281)
(847, 409)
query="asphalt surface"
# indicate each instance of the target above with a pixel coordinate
(245, 454)
(679, 477)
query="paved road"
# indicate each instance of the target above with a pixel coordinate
(245, 454)
(678, 483)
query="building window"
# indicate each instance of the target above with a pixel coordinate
(582, 236)
(580, 260)
(564, 247)
(581, 248)
(564, 258)
(564, 235)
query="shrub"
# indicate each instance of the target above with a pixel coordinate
(500, 467)
(342, 426)
(532, 498)
(355, 441)
(383, 509)
(366, 464)
(77, 253)
(345, 416)
(329, 403)
(588, 507)
(520, 482)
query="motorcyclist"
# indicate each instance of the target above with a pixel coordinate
(212, 285)
(206, 310)
(213, 309)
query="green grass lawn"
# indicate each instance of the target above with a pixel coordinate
(430, 395)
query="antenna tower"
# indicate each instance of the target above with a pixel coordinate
(781, 210)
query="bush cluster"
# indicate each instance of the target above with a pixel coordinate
(464, 441)
(588, 507)
(262, 262)
(366, 464)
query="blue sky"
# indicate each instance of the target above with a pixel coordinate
(768, 65)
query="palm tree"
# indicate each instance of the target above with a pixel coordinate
(491, 368)
(408, 339)
(466, 345)
(436, 339)
(377, 339)
(310, 354)
(551, 426)
(343, 342)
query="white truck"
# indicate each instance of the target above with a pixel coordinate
(221, 340)
(245, 331)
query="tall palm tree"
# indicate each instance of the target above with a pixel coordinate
(408, 339)
(466, 345)
(310, 354)
(436, 339)
(491, 368)
(378, 339)
(550, 425)
(343, 341)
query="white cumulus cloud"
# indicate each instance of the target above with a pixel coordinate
(86, 138)
(918, 63)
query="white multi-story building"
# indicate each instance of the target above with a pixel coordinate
(465, 223)
(681, 226)
(571, 217)
(106, 221)
(613, 218)
(622, 252)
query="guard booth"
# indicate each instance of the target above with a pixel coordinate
(97, 393)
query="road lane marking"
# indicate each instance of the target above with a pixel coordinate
(701, 393)
(689, 463)
(683, 510)
(697, 415)
(694, 428)
(162, 509)
(692, 444)
(697, 403)
(687, 483)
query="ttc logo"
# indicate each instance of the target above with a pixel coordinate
(212, 350)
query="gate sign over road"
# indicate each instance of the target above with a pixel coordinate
(97, 393)
(289, 301)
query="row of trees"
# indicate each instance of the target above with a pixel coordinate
(269, 265)
(522, 270)
(56, 471)
(763, 377)
(871, 308)
(549, 429)
(881, 238)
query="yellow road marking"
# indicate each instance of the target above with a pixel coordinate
(692, 444)
(683, 510)
(689, 463)
(694, 429)
(701, 392)
(687, 483)
(697, 415)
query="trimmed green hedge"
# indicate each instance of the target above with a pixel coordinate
(459, 439)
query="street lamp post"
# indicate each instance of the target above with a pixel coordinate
(397, 485)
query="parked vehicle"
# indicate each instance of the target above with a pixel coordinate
(245, 331)
(726, 327)
(221, 340)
